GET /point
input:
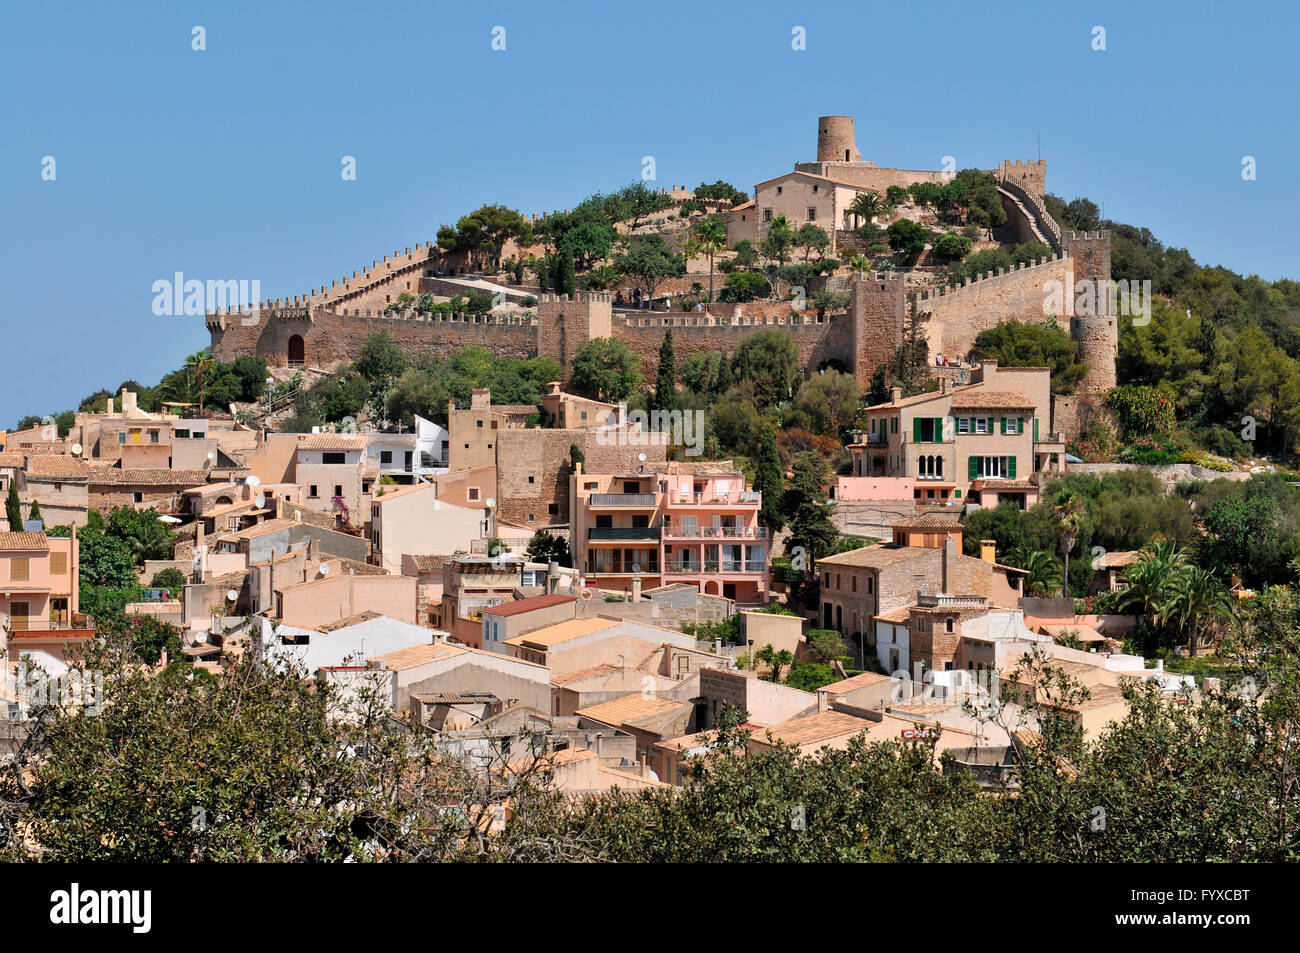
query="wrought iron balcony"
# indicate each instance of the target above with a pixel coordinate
(640, 533)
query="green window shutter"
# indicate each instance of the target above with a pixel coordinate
(1004, 426)
(974, 467)
(1035, 430)
(990, 425)
(957, 494)
(938, 430)
(1011, 467)
(916, 430)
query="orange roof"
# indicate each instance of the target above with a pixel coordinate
(417, 655)
(857, 681)
(553, 635)
(331, 441)
(990, 400)
(528, 605)
(57, 465)
(630, 709)
(23, 540)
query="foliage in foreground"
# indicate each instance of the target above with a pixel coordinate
(183, 766)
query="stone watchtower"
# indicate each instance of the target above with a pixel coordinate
(877, 318)
(835, 140)
(1098, 331)
(564, 324)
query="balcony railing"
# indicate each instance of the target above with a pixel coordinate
(620, 569)
(710, 566)
(623, 532)
(746, 498)
(624, 499)
(716, 532)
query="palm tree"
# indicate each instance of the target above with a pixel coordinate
(199, 362)
(860, 264)
(866, 205)
(1068, 514)
(1196, 597)
(1044, 573)
(710, 238)
(1148, 580)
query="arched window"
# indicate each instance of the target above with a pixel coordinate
(938, 467)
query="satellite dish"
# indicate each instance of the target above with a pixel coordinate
(641, 457)
(76, 449)
(325, 569)
(491, 501)
(253, 480)
(586, 595)
(261, 501)
(212, 454)
(232, 594)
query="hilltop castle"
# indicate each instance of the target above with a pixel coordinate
(329, 325)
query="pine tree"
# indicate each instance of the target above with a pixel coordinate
(666, 381)
(13, 511)
(769, 481)
(35, 513)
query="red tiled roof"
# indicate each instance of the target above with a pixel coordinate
(24, 541)
(143, 477)
(332, 441)
(528, 605)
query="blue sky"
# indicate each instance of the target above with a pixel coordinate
(226, 163)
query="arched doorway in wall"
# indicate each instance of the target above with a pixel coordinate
(710, 588)
(297, 350)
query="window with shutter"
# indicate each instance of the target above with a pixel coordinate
(1004, 426)
(974, 467)
(1011, 468)
(916, 430)
(1035, 430)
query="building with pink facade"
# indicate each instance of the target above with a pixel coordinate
(671, 523)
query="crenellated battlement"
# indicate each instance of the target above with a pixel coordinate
(1028, 174)
(953, 294)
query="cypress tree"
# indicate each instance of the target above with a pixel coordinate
(769, 481)
(35, 513)
(666, 380)
(13, 512)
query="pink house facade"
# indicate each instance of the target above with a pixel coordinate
(667, 526)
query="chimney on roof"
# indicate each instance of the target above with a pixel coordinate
(480, 398)
(896, 394)
(945, 385)
(988, 550)
(636, 587)
(552, 388)
(128, 400)
(949, 560)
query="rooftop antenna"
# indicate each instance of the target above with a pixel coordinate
(1040, 144)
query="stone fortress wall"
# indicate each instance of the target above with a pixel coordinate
(328, 326)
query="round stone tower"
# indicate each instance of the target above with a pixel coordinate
(835, 140)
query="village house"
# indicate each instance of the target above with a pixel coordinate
(39, 581)
(979, 444)
(671, 523)
(329, 467)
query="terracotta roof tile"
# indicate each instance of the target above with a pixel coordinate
(332, 441)
(111, 476)
(528, 605)
(990, 400)
(24, 541)
(57, 465)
